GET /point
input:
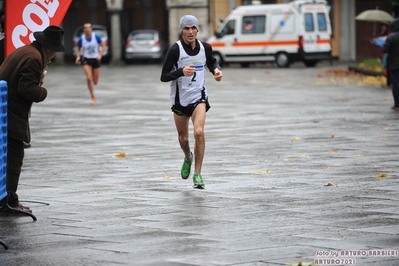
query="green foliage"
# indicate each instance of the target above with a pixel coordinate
(370, 62)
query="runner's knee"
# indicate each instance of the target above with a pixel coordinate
(199, 132)
(183, 138)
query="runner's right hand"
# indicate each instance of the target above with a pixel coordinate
(189, 70)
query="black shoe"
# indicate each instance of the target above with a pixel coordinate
(27, 145)
(19, 206)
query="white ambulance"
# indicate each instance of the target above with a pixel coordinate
(283, 33)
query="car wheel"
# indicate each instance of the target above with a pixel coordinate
(310, 63)
(282, 60)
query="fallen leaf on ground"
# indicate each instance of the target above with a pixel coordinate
(257, 172)
(320, 83)
(119, 155)
(381, 175)
(331, 185)
(267, 187)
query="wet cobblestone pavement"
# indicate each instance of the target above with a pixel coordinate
(296, 168)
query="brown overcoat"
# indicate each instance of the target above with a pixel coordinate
(22, 70)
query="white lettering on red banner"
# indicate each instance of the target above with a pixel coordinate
(42, 10)
(50, 5)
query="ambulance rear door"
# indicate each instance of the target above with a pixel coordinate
(315, 39)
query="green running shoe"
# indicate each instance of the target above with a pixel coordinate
(198, 183)
(186, 167)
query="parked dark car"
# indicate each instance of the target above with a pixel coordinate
(145, 45)
(102, 32)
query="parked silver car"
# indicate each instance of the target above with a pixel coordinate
(102, 32)
(145, 45)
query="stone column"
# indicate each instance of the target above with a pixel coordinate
(114, 7)
(347, 44)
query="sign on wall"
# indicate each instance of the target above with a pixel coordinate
(23, 17)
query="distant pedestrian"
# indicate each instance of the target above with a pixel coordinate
(382, 34)
(391, 48)
(184, 66)
(2, 53)
(24, 70)
(93, 49)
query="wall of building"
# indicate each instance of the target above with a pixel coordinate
(335, 24)
(218, 12)
(178, 8)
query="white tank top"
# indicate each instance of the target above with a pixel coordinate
(189, 89)
(90, 48)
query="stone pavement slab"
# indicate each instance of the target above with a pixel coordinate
(291, 165)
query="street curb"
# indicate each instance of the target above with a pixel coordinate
(365, 72)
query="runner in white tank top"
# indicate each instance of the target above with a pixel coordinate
(184, 67)
(189, 90)
(93, 48)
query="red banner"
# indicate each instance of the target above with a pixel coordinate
(23, 17)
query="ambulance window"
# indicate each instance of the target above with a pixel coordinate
(309, 25)
(321, 22)
(229, 28)
(253, 24)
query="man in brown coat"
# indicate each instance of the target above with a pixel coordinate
(24, 70)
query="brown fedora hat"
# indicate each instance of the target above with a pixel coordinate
(51, 38)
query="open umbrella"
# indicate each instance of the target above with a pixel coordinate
(375, 15)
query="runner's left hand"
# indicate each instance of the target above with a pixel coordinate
(218, 74)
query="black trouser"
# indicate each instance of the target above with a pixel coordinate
(394, 75)
(15, 156)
